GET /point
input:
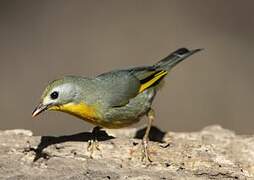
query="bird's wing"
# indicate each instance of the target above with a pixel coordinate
(122, 85)
(118, 87)
(148, 76)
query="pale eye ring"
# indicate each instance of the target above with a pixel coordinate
(54, 95)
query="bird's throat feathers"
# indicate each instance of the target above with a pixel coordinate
(81, 110)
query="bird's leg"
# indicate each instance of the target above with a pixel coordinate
(145, 153)
(93, 143)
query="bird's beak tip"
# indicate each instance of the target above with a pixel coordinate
(34, 113)
(39, 109)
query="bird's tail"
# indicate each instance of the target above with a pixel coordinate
(174, 58)
(152, 75)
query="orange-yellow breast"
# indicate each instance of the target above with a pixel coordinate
(90, 114)
(81, 110)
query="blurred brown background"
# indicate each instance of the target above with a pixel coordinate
(44, 40)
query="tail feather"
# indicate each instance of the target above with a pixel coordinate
(174, 58)
(152, 75)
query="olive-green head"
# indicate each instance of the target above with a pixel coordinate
(57, 93)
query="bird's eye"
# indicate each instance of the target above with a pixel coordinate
(54, 95)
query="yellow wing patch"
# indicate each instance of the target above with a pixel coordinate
(157, 76)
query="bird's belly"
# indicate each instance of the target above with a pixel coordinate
(114, 123)
(117, 117)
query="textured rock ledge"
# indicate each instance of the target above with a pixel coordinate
(213, 153)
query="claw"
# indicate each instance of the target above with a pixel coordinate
(145, 153)
(93, 145)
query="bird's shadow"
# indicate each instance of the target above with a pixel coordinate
(155, 135)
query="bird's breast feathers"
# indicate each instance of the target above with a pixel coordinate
(81, 110)
(91, 114)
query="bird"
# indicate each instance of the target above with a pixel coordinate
(114, 99)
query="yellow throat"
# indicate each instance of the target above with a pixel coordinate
(81, 110)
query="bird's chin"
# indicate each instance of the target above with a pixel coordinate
(54, 108)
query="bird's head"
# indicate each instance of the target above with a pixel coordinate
(57, 94)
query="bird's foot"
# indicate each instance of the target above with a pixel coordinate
(145, 157)
(93, 145)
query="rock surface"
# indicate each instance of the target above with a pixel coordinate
(213, 153)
